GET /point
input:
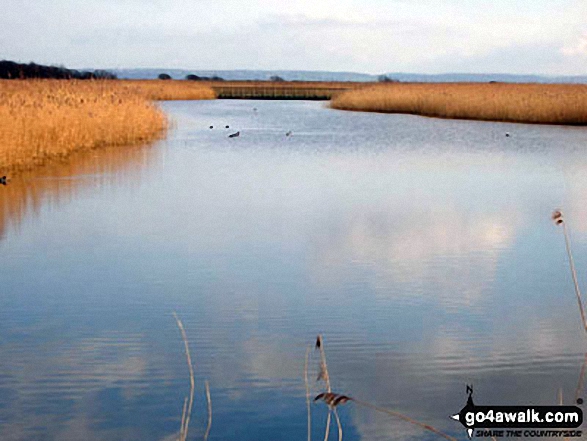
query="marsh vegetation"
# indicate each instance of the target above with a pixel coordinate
(41, 120)
(525, 103)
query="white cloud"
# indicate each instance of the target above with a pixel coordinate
(372, 36)
(578, 48)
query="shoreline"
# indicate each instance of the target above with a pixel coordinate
(530, 103)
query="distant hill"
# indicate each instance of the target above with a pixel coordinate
(300, 75)
(484, 78)
(231, 75)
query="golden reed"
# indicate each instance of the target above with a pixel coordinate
(524, 103)
(43, 120)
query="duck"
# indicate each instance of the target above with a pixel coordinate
(234, 135)
(289, 133)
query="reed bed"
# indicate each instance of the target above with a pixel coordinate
(523, 103)
(43, 120)
(168, 90)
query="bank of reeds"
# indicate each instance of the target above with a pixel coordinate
(524, 103)
(167, 90)
(43, 120)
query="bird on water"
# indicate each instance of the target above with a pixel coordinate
(234, 135)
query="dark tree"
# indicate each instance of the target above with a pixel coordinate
(276, 78)
(164, 76)
(192, 77)
(12, 70)
(386, 79)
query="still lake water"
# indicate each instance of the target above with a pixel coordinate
(422, 249)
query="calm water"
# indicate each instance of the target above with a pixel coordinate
(421, 248)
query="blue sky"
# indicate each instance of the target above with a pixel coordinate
(373, 36)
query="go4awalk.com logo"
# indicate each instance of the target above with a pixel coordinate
(519, 421)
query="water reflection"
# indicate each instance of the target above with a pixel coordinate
(422, 249)
(59, 183)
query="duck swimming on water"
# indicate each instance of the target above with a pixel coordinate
(234, 135)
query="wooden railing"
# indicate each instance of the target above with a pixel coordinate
(280, 90)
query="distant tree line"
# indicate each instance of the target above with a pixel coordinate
(12, 70)
(193, 77)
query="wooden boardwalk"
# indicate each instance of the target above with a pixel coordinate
(285, 90)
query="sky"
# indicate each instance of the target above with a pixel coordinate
(370, 36)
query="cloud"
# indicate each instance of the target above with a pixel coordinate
(578, 48)
(347, 35)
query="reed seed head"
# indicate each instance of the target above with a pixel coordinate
(332, 399)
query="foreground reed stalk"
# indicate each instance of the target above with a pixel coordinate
(307, 384)
(189, 401)
(333, 400)
(403, 417)
(557, 216)
(209, 402)
(526, 103)
(324, 375)
(579, 388)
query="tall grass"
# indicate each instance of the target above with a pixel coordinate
(167, 90)
(526, 103)
(42, 120)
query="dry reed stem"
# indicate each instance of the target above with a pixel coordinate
(324, 375)
(183, 433)
(574, 273)
(327, 432)
(308, 349)
(403, 417)
(560, 403)
(183, 412)
(557, 216)
(333, 400)
(209, 401)
(338, 424)
(527, 103)
(581, 379)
